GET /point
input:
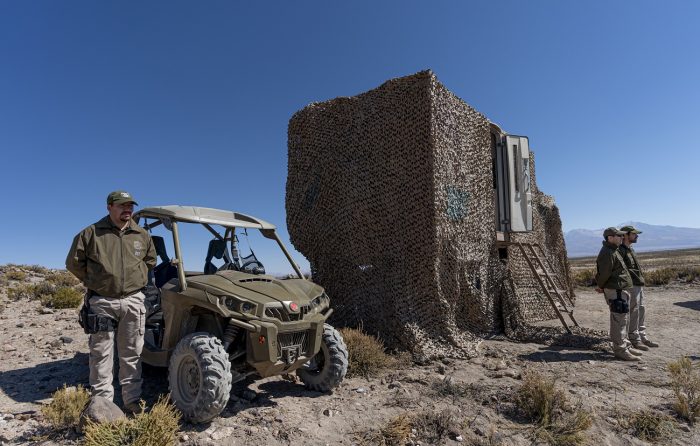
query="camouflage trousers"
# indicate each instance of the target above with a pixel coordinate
(618, 321)
(637, 314)
(130, 314)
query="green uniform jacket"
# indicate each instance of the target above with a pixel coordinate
(111, 262)
(612, 272)
(630, 258)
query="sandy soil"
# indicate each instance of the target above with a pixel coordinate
(41, 351)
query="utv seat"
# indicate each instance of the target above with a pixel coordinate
(160, 275)
(217, 249)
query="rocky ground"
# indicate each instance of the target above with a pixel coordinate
(41, 350)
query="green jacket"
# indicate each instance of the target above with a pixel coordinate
(630, 258)
(111, 262)
(612, 272)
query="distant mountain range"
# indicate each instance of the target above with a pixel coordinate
(587, 242)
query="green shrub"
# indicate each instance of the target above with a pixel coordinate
(366, 354)
(16, 274)
(22, 291)
(62, 278)
(65, 408)
(158, 427)
(63, 297)
(584, 277)
(36, 268)
(685, 382)
(3, 281)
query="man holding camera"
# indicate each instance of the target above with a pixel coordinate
(615, 282)
(112, 258)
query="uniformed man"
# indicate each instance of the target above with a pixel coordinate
(637, 328)
(615, 283)
(112, 258)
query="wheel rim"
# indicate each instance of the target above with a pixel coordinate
(188, 379)
(318, 362)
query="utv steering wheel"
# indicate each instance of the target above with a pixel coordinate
(253, 267)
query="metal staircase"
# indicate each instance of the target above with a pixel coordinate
(556, 291)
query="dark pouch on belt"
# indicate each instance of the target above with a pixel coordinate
(619, 305)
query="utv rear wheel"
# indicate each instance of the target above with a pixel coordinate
(328, 367)
(199, 377)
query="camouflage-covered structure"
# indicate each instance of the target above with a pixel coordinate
(390, 196)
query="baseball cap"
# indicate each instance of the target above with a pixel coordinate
(119, 197)
(612, 231)
(630, 229)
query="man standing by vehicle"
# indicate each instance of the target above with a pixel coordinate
(615, 282)
(112, 258)
(637, 329)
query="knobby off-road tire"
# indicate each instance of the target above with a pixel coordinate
(199, 377)
(328, 368)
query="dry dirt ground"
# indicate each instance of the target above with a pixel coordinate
(41, 351)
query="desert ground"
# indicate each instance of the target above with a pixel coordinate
(41, 350)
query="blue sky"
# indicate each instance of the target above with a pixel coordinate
(188, 102)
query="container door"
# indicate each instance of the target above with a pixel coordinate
(518, 152)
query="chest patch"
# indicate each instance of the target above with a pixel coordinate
(137, 245)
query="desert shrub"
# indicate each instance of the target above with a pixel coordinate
(542, 402)
(685, 382)
(426, 427)
(366, 354)
(64, 297)
(65, 408)
(446, 387)
(567, 429)
(36, 268)
(16, 274)
(539, 399)
(3, 281)
(42, 289)
(158, 427)
(649, 425)
(584, 277)
(22, 291)
(689, 274)
(662, 276)
(62, 278)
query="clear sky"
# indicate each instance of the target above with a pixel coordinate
(188, 102)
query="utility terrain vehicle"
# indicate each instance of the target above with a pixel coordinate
(218, 326)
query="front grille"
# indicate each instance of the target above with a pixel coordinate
(281, 313)
(298, 339)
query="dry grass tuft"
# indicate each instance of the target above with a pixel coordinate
(65, 408)
(425, 427)
(650, 425)
(158, 427)
(662, 276)
(539, 399)
(21, 291)
(685, 382)
(366, 353)
(543, 403)
(583, 277)
(446, 387)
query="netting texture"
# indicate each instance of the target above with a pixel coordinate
(390, 197)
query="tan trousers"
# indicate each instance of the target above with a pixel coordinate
(618, 321)
(130, 313)
(637, 313)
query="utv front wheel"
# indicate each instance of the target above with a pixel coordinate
(327, 369)
(199, 377)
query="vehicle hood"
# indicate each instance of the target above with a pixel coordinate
(261, 289)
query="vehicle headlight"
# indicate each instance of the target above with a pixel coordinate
(319, 302)
(239, 305)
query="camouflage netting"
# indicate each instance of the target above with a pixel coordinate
(390, 196)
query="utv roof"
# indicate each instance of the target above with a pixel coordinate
(192, 214)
